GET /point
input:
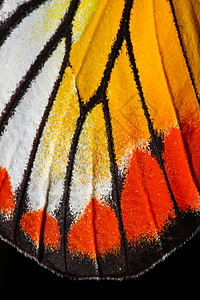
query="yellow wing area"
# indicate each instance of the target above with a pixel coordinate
(174, 65)
(52, 157)
(93, 41)
(91, 176)
(67, 106)
(61, 125)
(129, 124)
(188, 19)
(162, 68)
(149, 63)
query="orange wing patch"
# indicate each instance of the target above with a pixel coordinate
(146, 203)
(96, 231)
(191, 133)
(31, 223)
(179, 172)
(7, 203)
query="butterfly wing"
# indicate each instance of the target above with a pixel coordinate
(99, 137)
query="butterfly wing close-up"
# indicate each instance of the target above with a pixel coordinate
(99, 132)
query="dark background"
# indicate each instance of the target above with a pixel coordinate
(178, 271)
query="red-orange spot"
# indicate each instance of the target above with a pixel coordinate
(179, 172)
(191, 133)
(97, 222)
(31, 223)
(146, 203)
(7, 204)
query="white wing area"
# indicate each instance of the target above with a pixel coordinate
(17, 141)
(8, 7)
(25, 43)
